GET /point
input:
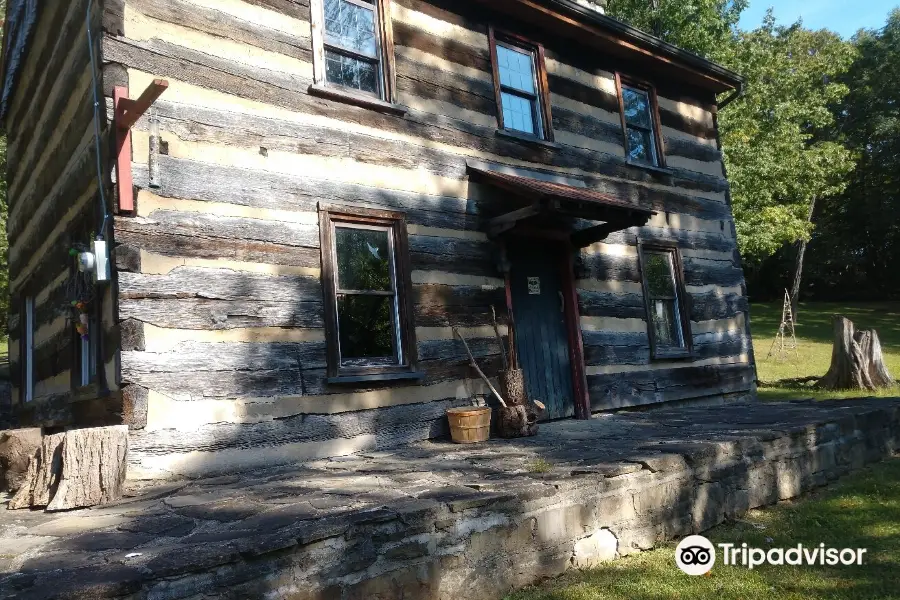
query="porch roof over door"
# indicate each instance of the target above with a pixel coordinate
(545, 197)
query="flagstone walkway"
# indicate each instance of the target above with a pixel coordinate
(438, 520)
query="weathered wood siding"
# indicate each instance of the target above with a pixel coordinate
(52, 189)
(218, 272)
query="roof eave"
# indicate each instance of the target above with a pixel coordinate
(589, 27)
(644, 39)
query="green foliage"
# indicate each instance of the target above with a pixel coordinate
(775, 139)
(705, 27)
(540, 465)
(856, 248)
(658, 273)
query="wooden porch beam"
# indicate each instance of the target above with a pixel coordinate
(507, 221)
(586, 237)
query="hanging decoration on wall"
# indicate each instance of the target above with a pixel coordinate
(80, 294)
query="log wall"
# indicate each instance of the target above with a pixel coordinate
(219, 294)
(53, 203)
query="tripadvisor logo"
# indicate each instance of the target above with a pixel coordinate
(696, 555)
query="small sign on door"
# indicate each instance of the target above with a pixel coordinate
(534, 286)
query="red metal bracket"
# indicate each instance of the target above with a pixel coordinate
(126, 113)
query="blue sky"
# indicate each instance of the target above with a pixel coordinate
(842, 16)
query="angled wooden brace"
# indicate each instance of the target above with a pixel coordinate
(126, 114)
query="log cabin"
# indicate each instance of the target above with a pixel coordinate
(300, 199)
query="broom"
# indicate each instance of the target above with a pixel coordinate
(478, 369)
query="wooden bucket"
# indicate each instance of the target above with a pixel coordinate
(469, 425)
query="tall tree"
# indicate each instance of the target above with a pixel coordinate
(776, 149)
(705, 27)
(857, 247)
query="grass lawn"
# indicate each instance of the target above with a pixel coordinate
(861, 511)
(814, 336)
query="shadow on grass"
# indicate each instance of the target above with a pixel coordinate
(814, 338)
(863, 511)
(814, 320)
(805, 392)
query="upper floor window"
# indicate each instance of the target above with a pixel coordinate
(367, 293)
(520, 81)
(640, 122)
(664, 294)
(353, 46)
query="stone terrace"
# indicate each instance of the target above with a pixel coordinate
(442, 521)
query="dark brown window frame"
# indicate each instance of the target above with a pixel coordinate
(656, 352)
(396, 221)
(623, 80)
(385, 55)
(542, 96)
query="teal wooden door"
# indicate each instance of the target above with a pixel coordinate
(541, 340)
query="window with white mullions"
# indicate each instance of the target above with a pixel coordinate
(352, 56)
(639, 129)
(366, 296)
(519, 89)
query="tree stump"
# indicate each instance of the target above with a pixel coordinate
(17, 446)
(513, 386)
(517, 421)
(93, 467)
(856, 360)
(43, 475)
(76, 469)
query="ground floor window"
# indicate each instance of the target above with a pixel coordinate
(87, 351)
(28, 349)
(367, 284)
(668, 323)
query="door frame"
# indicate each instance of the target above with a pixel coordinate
(572, 315)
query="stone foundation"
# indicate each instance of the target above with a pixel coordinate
(438, 521)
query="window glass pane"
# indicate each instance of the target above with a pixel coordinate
(666, 323)
(637, 107)
(640, 146)
(660, 274)
(351, 26)
(363, 259)
(351, 72)
(366, 328)
(86, 359)
(29, 349)
(516, 69)
(518, 113)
